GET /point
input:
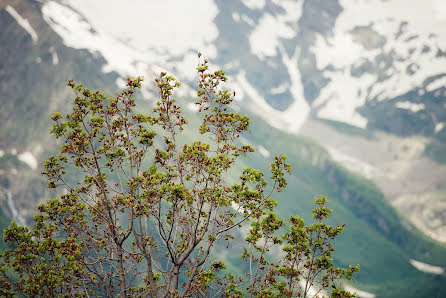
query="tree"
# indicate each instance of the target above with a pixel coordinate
(141, 211)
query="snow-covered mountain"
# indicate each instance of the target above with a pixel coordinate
(363, 78)
(287, 57)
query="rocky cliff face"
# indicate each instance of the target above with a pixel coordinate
(34, 67)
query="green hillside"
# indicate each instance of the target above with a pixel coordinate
(376, 236)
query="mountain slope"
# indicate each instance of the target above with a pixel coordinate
(270, 51)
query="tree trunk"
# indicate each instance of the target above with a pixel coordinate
(121, 273)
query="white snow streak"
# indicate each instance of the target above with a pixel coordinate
(426, 267)
(359, 293)
(236, 17)
(354, 164)
(439, 127)
(407, 105)
(254, 4)
(15, 214)
(265, 153)
(28, 158)
(299, 107)
(288, 120)
(54, 56)
(438, 83)
(265, 38)
(280, 89)
(24, 23)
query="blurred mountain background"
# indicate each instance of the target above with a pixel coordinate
(354, 92)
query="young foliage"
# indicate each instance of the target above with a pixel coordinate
(306, 267)
(147, 211)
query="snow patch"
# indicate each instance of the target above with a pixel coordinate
(236, 17)
(248, 20)
(237, 207)
(187, 65)
(289, 120)
(439, 127)
(121, 83)
(265, 37)
(407, 105)
(438, 83)
(292, 8)
(359, 293)
(427, 268)
(339, 100)
(354, 164)
(265, 153)
(24, 23)
(244, 140)
(54, 56)
(2, 153)
(28, 158)
(312, 291)
(439, 7)
(15, 214)
(239, 94)
(280, 89)
(300, 107)
(340, 51)
(193, 107)
(254, 4)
